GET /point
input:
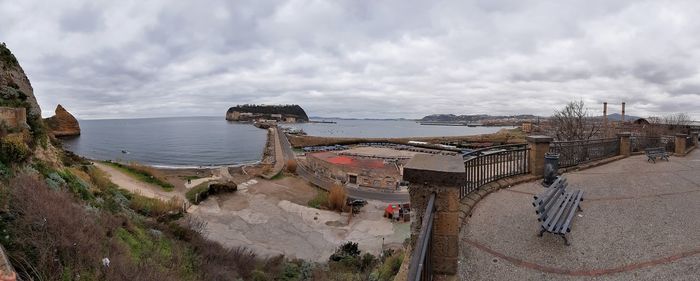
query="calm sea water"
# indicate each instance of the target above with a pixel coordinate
(388, 129)
(212, 141)
(186, 141)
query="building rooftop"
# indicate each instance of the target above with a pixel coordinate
(351, 161)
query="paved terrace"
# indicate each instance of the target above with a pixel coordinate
(640, 221)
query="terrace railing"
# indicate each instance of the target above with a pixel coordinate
(494, 163)
(572, 153)
(641, 143)
(688, 142)
(421, 267)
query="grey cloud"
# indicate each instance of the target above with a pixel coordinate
(356, 58)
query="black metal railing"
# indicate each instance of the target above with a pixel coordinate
(421, 267)
(494, 163)
(572, 153)
(641, 143)
(689, 142)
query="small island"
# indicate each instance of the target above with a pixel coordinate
(289, 113)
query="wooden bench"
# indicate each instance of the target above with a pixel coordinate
(656, 152)
(556, 208)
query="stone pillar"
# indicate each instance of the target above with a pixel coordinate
(442, 175)
(625, 144)
(680, 144)
(694, 136)
(539, 145)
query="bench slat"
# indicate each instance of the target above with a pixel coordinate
(553, 202)
(552, 220)
(566, 227)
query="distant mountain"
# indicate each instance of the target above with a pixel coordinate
(472, 118)
(618, 117)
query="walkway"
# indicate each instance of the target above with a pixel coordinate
(136, 186)
(276, 136)
(640, 221)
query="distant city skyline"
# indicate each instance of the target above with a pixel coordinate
(357, 59)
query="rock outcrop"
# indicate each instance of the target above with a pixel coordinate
(251, 112)
(14, 84)
(63, 123)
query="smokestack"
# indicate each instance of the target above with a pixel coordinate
(623, 112)
(605, 118)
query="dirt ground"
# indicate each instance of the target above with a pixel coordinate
(272, 218)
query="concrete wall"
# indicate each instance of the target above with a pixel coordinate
(13, 117)
(365, 177)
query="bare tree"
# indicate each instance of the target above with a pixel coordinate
(677, 120)
(573, 123)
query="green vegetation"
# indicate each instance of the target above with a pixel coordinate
(198, 193)
(348, 263)
(190, 178)
(13, 149)
(11, 96)
(278, 176)
(320, 200)
(143, 173)
(6, 57)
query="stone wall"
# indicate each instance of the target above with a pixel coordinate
(442, 175)
(13, 117)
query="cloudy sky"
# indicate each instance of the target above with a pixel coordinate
(380, 59)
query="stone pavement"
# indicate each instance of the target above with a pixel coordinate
(640, 221)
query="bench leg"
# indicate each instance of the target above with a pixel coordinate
(541, 232)
(579, 208)
(566, 241)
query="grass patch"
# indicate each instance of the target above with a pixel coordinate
(143, 173)
(320, 201)
(198, 193)
(190, 178)
(278, 176)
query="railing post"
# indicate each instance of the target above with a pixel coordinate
(680, 144)
(539, 145)
(625, 144)
(444, 176)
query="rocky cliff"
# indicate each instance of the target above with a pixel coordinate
(63, 123)
(15, 89)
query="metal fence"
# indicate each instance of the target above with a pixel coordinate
(641, 143)
(493, 163)
(688, 142)
(421, 266)
(572, 153)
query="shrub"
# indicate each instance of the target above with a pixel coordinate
(5, 171)
(291, 166)
(337, 198)
(13, 149)
(390, 267)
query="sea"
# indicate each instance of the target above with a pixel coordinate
(186, 142)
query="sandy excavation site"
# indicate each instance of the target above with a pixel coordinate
(272, 218)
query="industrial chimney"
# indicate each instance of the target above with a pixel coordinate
(605, 118)
(623, 113)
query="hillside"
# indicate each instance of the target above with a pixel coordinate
(62, 218)
(266, 111)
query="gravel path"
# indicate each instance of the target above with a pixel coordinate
(136, 186)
